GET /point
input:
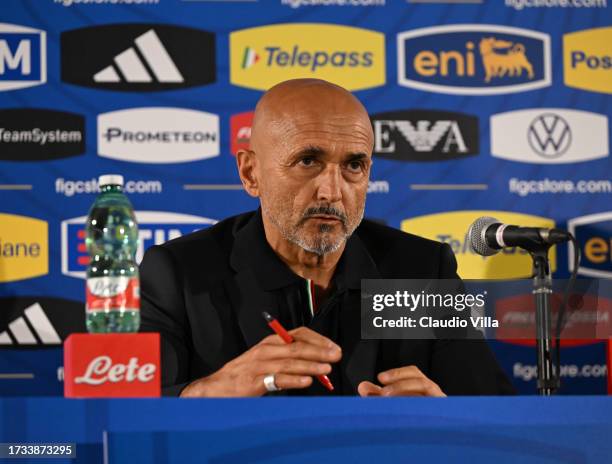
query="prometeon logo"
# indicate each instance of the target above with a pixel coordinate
(473, 59)
(549, 136)
(240, 130)
(23, 57)
(35, 321)
(154, 228)
(39, 134)
(594, 235)
(587, 59)
(452, 227)
(261, 57)
(24, 248)
(138, 57)
(425, 135)
(158, 135)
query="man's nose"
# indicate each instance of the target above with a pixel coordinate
(330, 184)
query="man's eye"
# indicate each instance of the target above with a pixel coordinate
(355, 165)
(307, 161)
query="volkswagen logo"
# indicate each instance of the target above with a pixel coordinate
(549, 135)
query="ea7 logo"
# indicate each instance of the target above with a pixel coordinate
(473, 59)
(138, 57)
(594, 235)
(154, 228)
(420, 135)
(549, 136)
(23, 57)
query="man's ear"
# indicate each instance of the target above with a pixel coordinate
(247, 163)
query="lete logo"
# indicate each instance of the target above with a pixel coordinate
(348, 56)
(549, 135)
(101, 370)
(158, 135)
(594, 234)
(473, 59)
(154, 228)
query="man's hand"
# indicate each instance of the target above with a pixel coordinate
(293, 365)
(403, 381)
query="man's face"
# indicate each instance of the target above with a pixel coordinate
(313, 176)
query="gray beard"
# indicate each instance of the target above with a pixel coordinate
(322, 244)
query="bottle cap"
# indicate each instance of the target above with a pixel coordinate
(110, 179)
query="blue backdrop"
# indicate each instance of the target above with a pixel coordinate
(478, 107)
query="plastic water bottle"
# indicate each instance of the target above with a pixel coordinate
(113, 287)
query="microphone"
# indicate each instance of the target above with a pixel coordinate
(487, 236)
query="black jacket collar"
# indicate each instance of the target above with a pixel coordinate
(251, 249)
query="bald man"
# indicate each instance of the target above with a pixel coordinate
(300, 257)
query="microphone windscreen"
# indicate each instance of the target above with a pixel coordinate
(476, 236)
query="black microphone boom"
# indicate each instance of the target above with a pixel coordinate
(487, 236)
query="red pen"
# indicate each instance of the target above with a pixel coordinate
(287, 338)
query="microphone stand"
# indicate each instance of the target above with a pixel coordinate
(548, 382)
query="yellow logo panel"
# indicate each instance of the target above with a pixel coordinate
(587, 59)
(351, 57)
(24, 251)
(452, 228)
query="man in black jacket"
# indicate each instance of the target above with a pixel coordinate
(301, 258)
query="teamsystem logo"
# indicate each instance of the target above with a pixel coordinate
(473, 59)
(452, 227)
(348, 56)
(138, 57)
(39, 320)
(38, 134)
(23, 57)
(158, 135)
(594, 234)
(549, 136)
(154, 228)
(424, 135)
(587, 60)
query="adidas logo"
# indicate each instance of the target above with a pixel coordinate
(33, 328)
(138, 57)
(133, 67)
(250, 58)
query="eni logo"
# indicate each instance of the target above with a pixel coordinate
(452, 227)
(261, 57)
(497, 63)
(472, 59)
(24, 251)
(587, 59)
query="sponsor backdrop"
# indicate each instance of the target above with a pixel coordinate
(497, 107)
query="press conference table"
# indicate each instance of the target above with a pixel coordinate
(296, 430)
